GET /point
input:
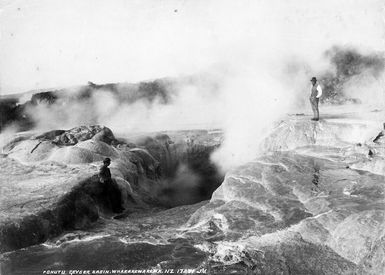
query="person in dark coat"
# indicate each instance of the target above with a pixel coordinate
(110, 187)
(104, 171)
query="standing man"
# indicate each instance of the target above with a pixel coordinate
(104, 172)
(111, 192)
(316, 92)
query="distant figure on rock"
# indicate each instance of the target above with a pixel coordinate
(316, 92)
(104, 172)
(110, 187)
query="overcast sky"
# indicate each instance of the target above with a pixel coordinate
(50, 43)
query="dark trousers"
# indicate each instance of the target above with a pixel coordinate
(314, 105)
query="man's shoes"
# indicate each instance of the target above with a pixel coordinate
(315, 119)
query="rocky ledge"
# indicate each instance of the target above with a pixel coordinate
(51, 184)
(311, 203)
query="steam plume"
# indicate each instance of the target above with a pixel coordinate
(257, 57)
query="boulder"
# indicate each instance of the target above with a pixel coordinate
(82, 133)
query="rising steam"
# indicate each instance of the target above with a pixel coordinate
(251, 63)
(354, 75)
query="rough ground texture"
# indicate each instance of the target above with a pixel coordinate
(311, 203)
(305, 210)
(52, 185)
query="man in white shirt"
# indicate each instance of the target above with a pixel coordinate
(316, 92)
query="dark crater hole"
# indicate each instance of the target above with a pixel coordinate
(186, 174)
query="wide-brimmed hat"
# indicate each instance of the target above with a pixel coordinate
(313, 78)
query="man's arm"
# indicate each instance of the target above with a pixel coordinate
(319, 89)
